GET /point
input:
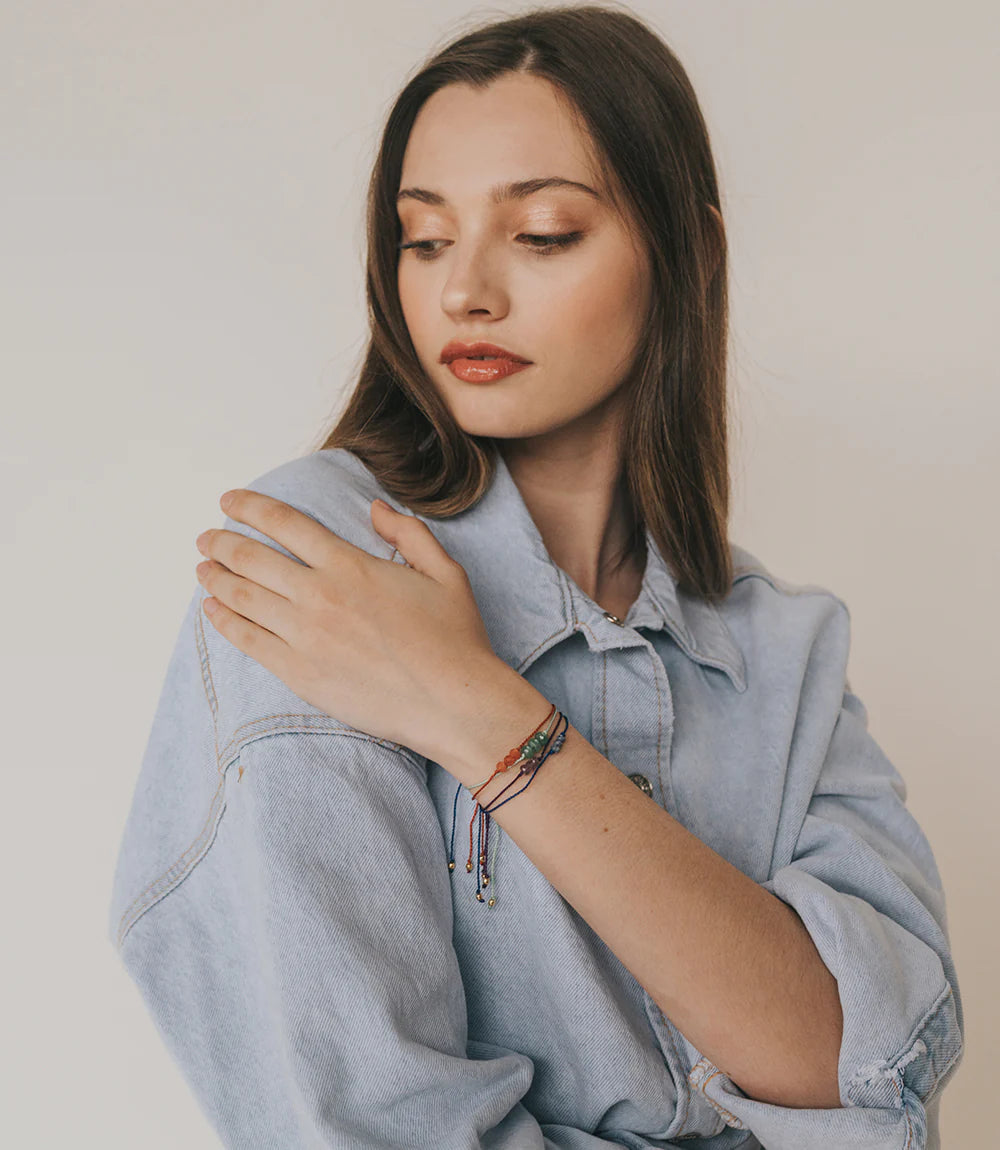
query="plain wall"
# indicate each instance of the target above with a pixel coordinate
(181, 283)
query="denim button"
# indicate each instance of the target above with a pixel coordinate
(642, 783)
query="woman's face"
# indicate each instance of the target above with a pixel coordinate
(576, 311)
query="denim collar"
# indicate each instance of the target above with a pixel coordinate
(529, 603)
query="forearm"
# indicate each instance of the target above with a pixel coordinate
(731, 965)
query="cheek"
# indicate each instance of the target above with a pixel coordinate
(598, 317)
(418, 309)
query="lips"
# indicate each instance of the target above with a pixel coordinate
(458, 350)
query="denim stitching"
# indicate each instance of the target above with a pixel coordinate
(945, 995)
(183, 865)
(729, 1118)
(167, 878)
(587, 627)
(212, 820)
(539, 647)
(913, 1046)
(906, 1116)
(322, 726)
(683, 1103)
(937, 1006)
(604, 703)
(128, 920)
(567, 599)
(213, 817)
(666, 790)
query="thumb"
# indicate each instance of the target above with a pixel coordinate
(414, 540)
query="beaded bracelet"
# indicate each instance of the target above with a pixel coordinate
(528, 757)
(517, 755)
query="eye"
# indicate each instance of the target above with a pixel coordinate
(540, 245)
(547, 244)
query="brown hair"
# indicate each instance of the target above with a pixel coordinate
(637, 106)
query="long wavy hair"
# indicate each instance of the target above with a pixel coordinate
(636, 104)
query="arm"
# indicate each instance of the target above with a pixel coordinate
(282, 902)
(863, 879)
(302, 974)
(861, 918)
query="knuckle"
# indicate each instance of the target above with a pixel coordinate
(242, 593)
(278, 513)
(243, 552)
(327, 598)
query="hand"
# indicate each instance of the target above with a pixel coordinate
(395, 651)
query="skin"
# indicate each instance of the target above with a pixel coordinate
(766, 1011)
(576, 311)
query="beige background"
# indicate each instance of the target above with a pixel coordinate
(180, 225)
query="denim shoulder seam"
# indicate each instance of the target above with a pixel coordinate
(226, 757)
(792, 590)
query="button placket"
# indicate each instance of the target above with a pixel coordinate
(633, 717)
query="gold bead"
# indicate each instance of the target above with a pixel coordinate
(492, 902)
(451, 865)
(486, 880)
(479, 896)
(468, 867)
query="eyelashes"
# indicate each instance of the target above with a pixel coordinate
(540, 245)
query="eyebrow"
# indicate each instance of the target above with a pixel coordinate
(501, 193)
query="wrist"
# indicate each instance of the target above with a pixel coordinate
(502, 711)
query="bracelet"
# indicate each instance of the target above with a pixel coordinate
(530, 747)
(528, 757)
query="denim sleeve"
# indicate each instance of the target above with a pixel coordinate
(854, 864)
(282, 902)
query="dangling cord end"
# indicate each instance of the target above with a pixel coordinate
(451, 843)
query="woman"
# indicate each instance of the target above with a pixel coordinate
(538, 814)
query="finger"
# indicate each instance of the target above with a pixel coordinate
(415, 541)
(297, 532)
(248, 599)
(254, 560)
(260, 644)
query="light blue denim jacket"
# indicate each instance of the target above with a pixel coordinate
(282, 897)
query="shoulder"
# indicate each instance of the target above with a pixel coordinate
(773, 618)
(248, 701)
(332, 486)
